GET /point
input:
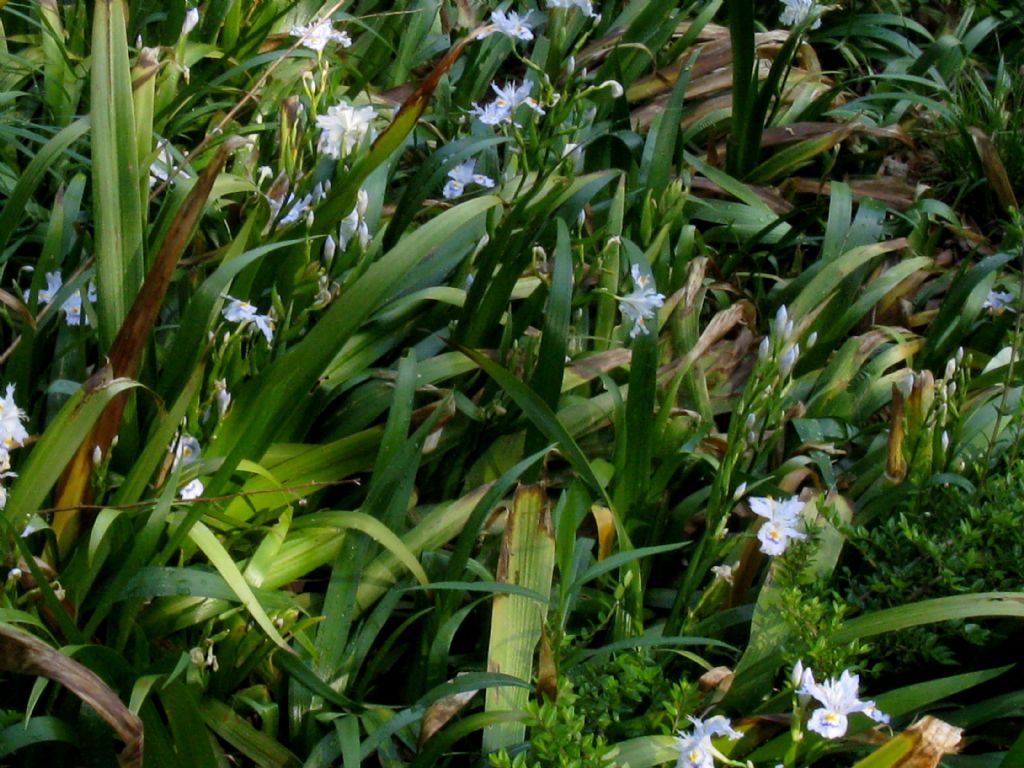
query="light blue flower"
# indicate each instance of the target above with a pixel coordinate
(838, 698)
(696, 749)
(462, 175)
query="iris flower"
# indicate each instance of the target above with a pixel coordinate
(781, 519)
(838, 698)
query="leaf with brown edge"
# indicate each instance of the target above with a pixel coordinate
(17, 306)
(922, 745)
(605, 529)
(24, 654)
(441, 712)
(75, 486)
(995, 171)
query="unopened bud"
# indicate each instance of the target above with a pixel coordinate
(950, 368)
(614, 86)
(764, 349)
(945, 440)
(191, 19)
(906, 385)
(330, 247)
(788, 359)
(781, 318)
(740, 492)
(959, 357)
(812, 339)
(796, 677)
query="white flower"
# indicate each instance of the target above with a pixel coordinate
(781, 517)
(12, 431)
(997, 301)
(191, 19)
(192, 490)
(642, 304)
(73, 306)
(796, 11)
(461, 175)
(243, 312)
(696, 749)
(343, 127)
(297, 210)
(511, 96)
(162, 168)
(317, 36)
(186, 451)
(45, 295)
(511, 24)
(838, 699)
(584, 5)
(489, 114)
(507, 99)
(723, 572)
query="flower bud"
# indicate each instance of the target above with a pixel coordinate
(945, 440)
(614, 86)
(781, 318)
(191, 19)
(740, 491)
(764, 349)
(906, 385)
(812, 339)
(959, 357)
(796, 677)
(950, 368)
(788, 360)
(330, 247)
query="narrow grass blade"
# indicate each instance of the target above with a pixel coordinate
(115, 171)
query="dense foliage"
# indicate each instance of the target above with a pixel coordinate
(556, 383)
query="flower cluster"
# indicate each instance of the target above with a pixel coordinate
(343, 128)
(695, 748)
(511, 24)
(642, 304)
(72, 307)
(462, 175)
(838, 698)
(317, 36)
(507, 99)
(781, 518)
(243, 312)
(783, 337)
